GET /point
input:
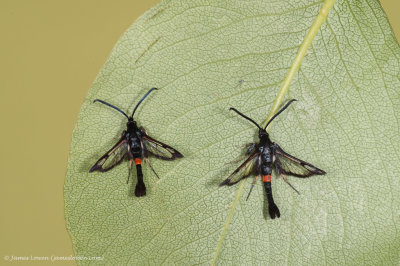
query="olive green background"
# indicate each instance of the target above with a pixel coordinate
(50, 53)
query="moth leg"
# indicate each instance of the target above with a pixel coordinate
(252, 185)
(279, 170)
(130, 168)
(145, 156)
(151, 167)
(287, 181)
(130, 157)
(250, 148)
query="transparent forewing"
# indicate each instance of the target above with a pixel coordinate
(243, 171)
(291, 165)
(159, 149)
(113, 157)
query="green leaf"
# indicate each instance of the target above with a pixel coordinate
(207, 56)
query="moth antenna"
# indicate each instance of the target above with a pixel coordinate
(280, 111)
(112, 106)
(246, 117)
(141, 100)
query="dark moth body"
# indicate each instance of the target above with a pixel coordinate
(265, 169)
(266, 156)
(134, 145)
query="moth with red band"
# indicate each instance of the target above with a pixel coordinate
(263, 157)
(134, 145)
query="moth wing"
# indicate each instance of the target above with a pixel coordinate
(291, 165)
(159, 149)
(113, 157)
(243, 171)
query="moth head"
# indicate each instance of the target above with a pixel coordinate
(131, 122)
(262, 133)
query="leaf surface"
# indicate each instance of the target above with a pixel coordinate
(206, 56)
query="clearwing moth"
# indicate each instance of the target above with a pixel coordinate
(266, 155)
(134, 145)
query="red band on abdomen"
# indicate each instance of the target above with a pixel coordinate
(266, 178)
(138, 161)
